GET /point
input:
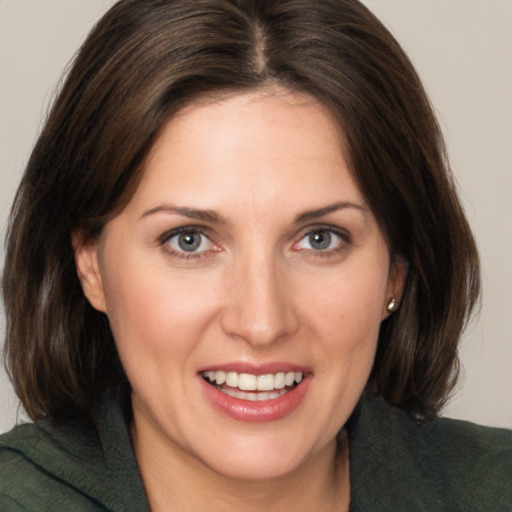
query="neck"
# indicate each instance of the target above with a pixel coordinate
(172, 475)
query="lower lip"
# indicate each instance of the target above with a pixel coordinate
(256, 412)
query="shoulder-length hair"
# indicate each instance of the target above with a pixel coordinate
(143, 62)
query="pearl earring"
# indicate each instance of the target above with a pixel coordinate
(391, 305)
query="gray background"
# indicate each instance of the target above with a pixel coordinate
(462, 50)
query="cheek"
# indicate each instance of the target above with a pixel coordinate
(349, 305)
(345, 315)
(154, 315)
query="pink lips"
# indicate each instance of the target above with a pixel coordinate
(262, 411)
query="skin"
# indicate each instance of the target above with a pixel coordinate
(256, 291)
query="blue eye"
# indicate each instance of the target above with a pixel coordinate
(321, 240)
(189, 241)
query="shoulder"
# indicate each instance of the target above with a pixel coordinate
(476, 447)
(74, 464)
(449, 464)
(39, 466)
(468, 461)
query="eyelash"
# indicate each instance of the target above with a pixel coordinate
(184, 255)
(199, 230)
(344, 239)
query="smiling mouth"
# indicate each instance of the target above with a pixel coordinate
(254, 388)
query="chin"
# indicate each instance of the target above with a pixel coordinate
(256, 458)
(255, 470)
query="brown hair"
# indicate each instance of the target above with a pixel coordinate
(145, 60)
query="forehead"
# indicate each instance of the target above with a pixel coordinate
(257, 146)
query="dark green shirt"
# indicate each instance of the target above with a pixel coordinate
(396, 465)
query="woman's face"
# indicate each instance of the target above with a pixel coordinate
(249, 255)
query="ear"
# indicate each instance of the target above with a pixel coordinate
(88, 269)
(396, 284)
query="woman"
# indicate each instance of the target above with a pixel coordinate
(237, 267)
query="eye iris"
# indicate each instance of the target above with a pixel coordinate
(320, 240)
(189, 242)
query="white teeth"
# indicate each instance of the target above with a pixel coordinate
(290, 378)
(279, 380)
(232, 379)
(265, 382)
(249, 382)
(254, 397)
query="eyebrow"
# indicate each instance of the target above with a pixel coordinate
(325, 210)
(213, 217)
(192, 213)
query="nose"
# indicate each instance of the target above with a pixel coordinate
(259, 307)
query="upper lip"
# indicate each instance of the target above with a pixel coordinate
(259, 368)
